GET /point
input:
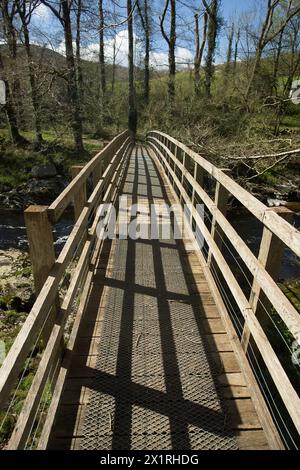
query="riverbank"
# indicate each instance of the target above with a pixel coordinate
(16, 293)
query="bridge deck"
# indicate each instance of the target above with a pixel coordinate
(153, 366)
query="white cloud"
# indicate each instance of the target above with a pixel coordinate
(183, 58)
(157, 59)
(41, 12)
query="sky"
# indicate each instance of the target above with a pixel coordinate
(45, 22)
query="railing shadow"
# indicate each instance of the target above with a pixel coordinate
(170, 399)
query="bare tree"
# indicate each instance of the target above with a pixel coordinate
(171, 41)
(144, 16)
(213, 12)
(16, 137)
(8, 13)
(132, 110)
(236, 50)
(25, 10)
(228, 56)
(79, 75)
(268, 33)
(199, 50)
(62, 11)
(101, 52)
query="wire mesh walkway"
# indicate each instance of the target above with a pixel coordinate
(153, 366)
(154, 386)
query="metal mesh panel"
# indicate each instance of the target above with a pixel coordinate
(154, 386)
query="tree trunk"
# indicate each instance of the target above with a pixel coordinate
(78, 51)
(33, 89)
(147, 54)
(101, 49)
(171, 41)
(10, 113)
(10, 36)
(172, 59)
(132, 111)
(236, 49)
(199, 51)
(72, 82)
(228, 57)
(276, 63)
(212, 39)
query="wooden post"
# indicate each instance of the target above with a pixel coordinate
(42, 254)
(221, 199)
(270, 256)
(41, 244)
(80, 196)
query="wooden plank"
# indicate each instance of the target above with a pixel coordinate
(252, 440)
(242, 414)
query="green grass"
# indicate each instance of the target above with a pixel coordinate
(16, 163)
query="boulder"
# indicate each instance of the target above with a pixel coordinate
(44, 171)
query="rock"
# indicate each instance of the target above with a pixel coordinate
(4, 188)
(276, 202)
(44, 171)
(34, 191)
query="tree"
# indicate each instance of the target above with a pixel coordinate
(144, 17)
(62, 11)
(268, 33)
(228, 56)
(101, 49)
(171, 41)
(199, 50)
(132, 110)
(236, 49)
(25, 10)
(11, 117)
(13, 107)
(79, 75)
(213, 11)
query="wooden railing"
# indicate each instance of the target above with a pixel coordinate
(186, 172)
(47, 320)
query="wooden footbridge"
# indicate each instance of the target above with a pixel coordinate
(156, 343)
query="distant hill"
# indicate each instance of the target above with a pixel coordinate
(49, 58)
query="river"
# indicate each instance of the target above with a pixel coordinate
(13, 231)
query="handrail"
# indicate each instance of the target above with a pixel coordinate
(116, 153)
(288, 234)
(166, 149)
(58, 206)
